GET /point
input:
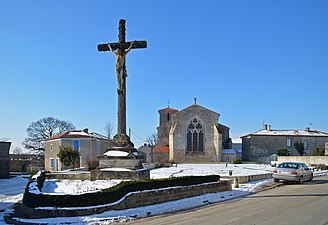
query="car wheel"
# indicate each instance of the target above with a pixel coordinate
(275, 180)
(300, 180)
(311, 177)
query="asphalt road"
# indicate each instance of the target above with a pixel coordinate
(289, 204)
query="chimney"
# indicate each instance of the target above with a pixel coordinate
(269, 127)
(265, 127)
(307, 129)
(86, 130)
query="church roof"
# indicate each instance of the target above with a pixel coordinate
(199, 106)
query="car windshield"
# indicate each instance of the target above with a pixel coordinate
(289, 165)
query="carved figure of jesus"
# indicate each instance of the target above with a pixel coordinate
(121, 72)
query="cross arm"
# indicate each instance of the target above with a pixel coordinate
(126, 45)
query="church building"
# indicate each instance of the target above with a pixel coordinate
(191, 135)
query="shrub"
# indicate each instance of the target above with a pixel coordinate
(68, 156)
(112, 194)
(237, 161)
(92, 163)
(317, 152)
(282, 152)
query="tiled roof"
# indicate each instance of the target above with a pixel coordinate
(161, 149)
(77, 134)
(169, 109)
(264, 132)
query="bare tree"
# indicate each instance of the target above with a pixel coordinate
(4, 139)
(152, 139)
(108, 129)
(65, 126)
(17, 150)
(38, 131)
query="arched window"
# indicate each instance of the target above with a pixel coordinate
(195, 136)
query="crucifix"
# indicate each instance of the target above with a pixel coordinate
(120, 49)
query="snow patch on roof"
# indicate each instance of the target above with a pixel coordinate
(81, 133)
(313, 133)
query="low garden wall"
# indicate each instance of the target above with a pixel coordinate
(245, 179)
(308, 160)
(122, 175)
(101, 175)
(79, 175)
(132, 200)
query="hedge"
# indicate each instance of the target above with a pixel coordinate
(112, 194)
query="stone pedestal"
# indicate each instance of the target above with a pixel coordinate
(121, 154)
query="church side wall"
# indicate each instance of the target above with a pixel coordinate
(225, 136)
(218, 143)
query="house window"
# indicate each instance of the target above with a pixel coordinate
(52, 163)
(195, 136)
(168, 117)
(289, 142)
(76, 145)
(50, 147)
(98, 147)
(305, 145)
(57, 164)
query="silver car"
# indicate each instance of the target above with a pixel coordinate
(292, 171)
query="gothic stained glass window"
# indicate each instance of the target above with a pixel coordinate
(195, 136)
(201, 141)
(189, 137)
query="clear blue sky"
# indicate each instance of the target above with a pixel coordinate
(250, 61)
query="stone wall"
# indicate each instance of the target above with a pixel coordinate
(132, 200)
(4, 159)
(123, 175)
(245, 179)
(308, 160)
(85, 175)
(116, 162)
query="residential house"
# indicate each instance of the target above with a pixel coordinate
(88, 144)
(260, 145)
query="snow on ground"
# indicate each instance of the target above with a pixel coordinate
(11, 191)
(116, 153)
(157, 209)
(8, 198)
(209, 169)
(72, 187)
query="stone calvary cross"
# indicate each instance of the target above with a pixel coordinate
(120, 49)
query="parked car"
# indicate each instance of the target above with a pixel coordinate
(292, 171)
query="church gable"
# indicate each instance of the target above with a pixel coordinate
(200, 111)
(194, 135)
